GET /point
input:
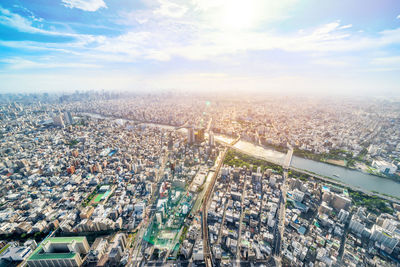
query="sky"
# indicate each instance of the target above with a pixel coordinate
(290, 46)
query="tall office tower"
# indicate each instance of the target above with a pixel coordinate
(199, 136)
(170, 142)
(191, 135)
(68, 117)
(211, 139)
(58, 120)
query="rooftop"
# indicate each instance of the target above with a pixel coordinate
(38, 255)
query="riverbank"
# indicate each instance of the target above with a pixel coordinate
(337, 162)
(239, 159)
(384, 188)
(374, 201)
(354, 188)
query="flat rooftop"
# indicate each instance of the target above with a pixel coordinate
(36, 255)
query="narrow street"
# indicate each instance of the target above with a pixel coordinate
(240, 224)
(137, 247)
(222, 223)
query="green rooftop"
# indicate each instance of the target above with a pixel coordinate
(36, 255)
(66, 239)
(46, 256)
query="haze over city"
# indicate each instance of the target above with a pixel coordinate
(210, 133)
(329, 47)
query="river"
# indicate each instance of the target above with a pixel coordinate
(351, 177)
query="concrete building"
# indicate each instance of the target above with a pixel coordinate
(356, 226)
(68, 117)
(58, 121)
(387, 240)
(343, 215)
(191, 137)
(211, 141)
(97, 250)
(59, 251)
(13, 255)
(384, 167)
(198, 252)
(340, 202)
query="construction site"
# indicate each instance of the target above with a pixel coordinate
(173, 206)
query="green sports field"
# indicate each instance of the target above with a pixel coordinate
(100, 195)
(98, 198)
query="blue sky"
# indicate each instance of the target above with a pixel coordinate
(309, 46)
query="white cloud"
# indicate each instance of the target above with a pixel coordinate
(86, 5)
(398, 17)
(22, 24)
(157, 43)
(35, 26)
(170, 9)
(162, 39)
(173, 29)
(16, 21)
(330, 62)
(387, 61)
(390, 36)
(327, 28)
(348, 26)
(21, 63)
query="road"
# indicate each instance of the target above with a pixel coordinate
(138, 244)
(344, 236)
(206, 244)
(240, 224)
(209, 125)
(281, 212)
(51, 234)
(222, 223)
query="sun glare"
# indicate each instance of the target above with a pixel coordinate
(239, 14)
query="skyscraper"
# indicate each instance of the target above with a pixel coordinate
(58, 121)
(211, 139)
(68, 117)
(191, 135)
(199, 135)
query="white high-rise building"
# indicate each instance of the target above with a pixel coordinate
(389, 225)
(343, 215)
(356, 226)
(211, 141)
(68, 117)
(388, 240)
(271, 220)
